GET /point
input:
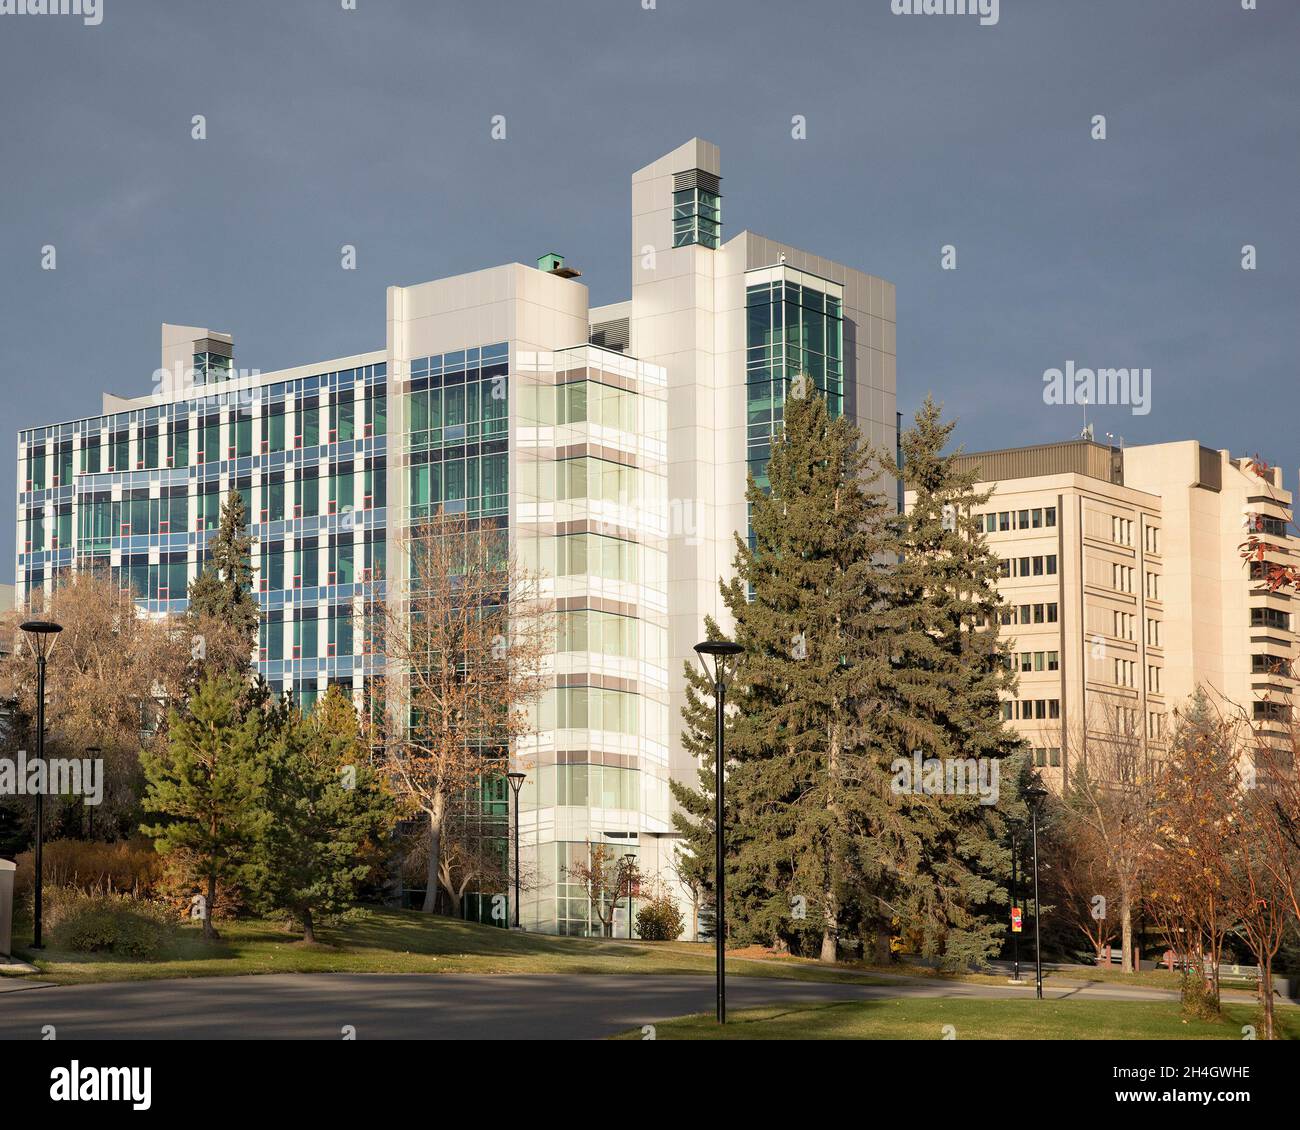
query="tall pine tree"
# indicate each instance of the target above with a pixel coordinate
(207, 785)
(323, 806)
(818, 701)
(867, 635)
(950, 852)
(223, 590)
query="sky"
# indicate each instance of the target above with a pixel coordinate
(372, 126)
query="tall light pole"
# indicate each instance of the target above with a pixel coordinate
(516, 779)
(1015, 895)
(629, 868)
(719, 651)
(40, 635)
(1034, 794)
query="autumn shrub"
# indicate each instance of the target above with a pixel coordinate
(659, 920)
(106, 922)
(125, 866)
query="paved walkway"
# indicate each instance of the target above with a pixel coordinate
(454, 1006)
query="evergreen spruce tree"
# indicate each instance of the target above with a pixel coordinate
(322, 806)
(951, 852)
(867, 635)
(818, 701)
(207, 784)
(223, 590)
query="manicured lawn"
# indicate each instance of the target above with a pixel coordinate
(398, 941)
(970, 1020)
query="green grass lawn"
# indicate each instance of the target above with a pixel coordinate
(1146, 979)
(970, 1020)
(399, 941)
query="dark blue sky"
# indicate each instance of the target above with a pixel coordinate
(371, 127)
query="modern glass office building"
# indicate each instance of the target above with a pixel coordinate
(612, 442)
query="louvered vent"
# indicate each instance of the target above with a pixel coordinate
(614, 334)
(697, 178)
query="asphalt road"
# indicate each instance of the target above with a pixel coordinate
(448, 1006)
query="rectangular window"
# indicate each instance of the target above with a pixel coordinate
(305, 636)
(340, 631)
(342, 492)
(273, 567)
(1270, 618)
(308, 492)
(180, 438)
(309, 423)
(275, 429)
(210, 439)
(307, 568)
(345, 419)
(275, 495)
(697, 218)
(343, 561)
(90, 461)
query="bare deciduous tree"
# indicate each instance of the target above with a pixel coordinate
(605, 878)
(111, 675)
(1110, 801)
(1197, 845)
(1084, 876)
(463, 634)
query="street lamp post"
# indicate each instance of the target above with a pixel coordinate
(629, 866)
(40, 634)
(516, 779)
(1015, 896)
(720, 651)
(1035, 794)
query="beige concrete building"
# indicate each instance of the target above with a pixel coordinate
(1126, 589)
(1224, 630)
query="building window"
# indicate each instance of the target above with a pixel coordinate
(1269, 665)
(1272, 712)
(793, 330)
(697, 210)
(1270, 618)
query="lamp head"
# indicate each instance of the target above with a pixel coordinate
(717, 651)
(516, 779)
(40, 627)
(40, 633)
